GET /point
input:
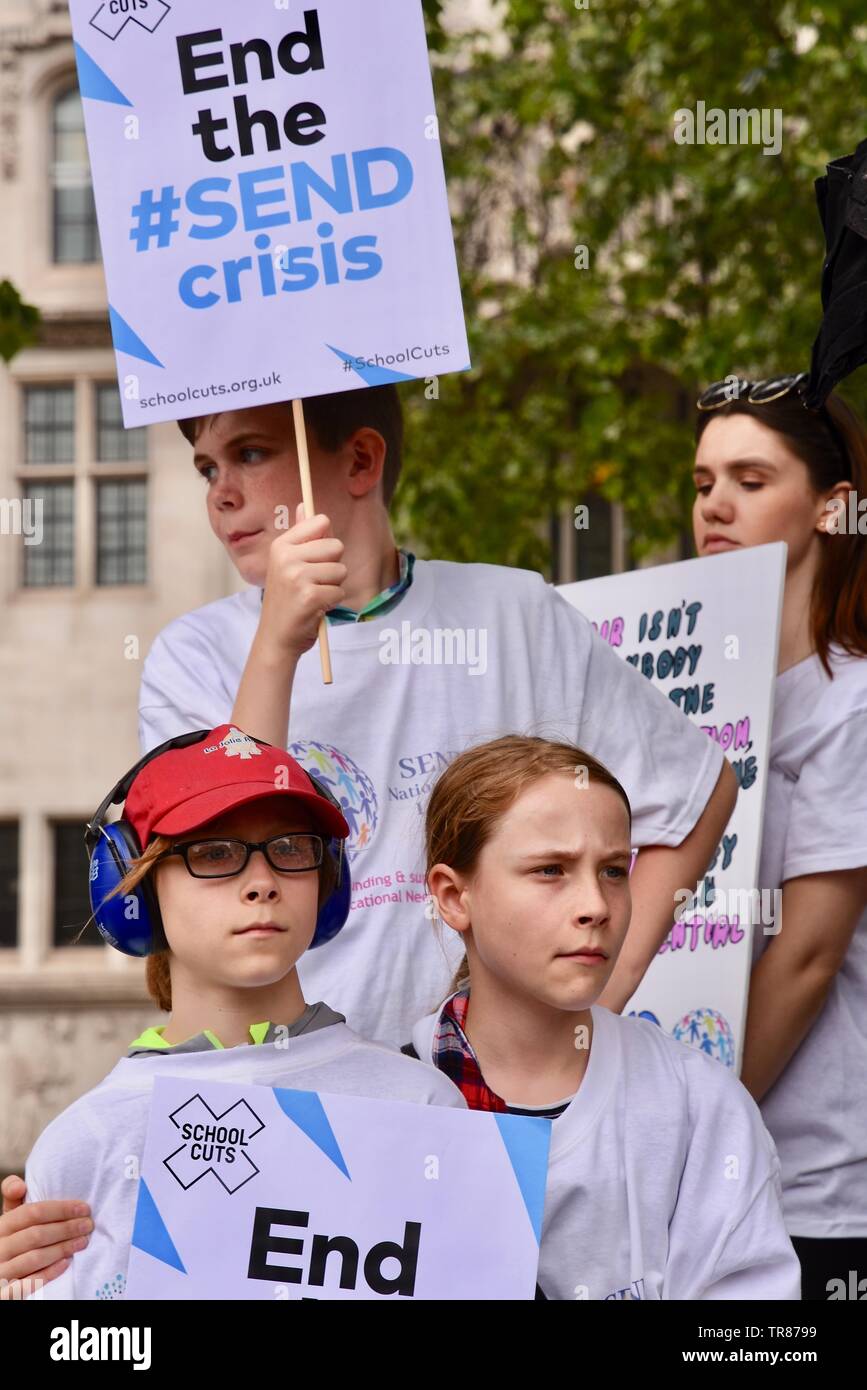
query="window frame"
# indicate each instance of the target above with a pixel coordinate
(75, 827)
(85, 473)
(62, 90)
(14, 822)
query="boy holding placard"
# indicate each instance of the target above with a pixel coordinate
(221, 205)
(428, 657)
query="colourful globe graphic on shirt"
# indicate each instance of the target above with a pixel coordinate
(709, 1032)
(351, 787)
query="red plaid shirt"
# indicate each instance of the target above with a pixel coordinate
(453, 1055)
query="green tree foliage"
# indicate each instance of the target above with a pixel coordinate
(557, 127)
(19, 322)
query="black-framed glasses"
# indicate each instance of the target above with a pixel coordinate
(288, 854)
(738, 388)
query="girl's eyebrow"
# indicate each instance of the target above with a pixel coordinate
(574, 854)
(739, 466)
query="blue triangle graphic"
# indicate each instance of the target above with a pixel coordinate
(149, 1232)
(527, 1141)
(95, 83)
(374, 376)
(127, 340)
(306, 1110)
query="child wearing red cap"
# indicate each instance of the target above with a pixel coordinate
(234, 871)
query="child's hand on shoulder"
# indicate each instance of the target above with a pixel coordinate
(305, 579)
(37, 1239)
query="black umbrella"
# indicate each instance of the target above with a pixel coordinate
(842, 342)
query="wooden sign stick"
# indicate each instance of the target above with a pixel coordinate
(309, 511)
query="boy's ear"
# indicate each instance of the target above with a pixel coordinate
(366, 449)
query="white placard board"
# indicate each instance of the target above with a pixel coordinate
(271, 199)
(706, 632)
(261, 1193)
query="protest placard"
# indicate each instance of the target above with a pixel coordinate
(271, 199)
(706, 632)
(260, 1193)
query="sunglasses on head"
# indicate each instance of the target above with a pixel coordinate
(738, 388)
(772, 388)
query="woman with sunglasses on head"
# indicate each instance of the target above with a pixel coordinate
(232, 858)
(768, 469)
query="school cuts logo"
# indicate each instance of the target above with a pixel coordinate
(214, 1143)
(115, 15)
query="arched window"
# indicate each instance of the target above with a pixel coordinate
(75, 237)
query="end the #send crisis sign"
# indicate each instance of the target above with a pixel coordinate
(271, 199)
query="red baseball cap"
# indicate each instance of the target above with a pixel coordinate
(184, 788)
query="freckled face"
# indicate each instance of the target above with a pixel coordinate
(549, 899)
(249, 462)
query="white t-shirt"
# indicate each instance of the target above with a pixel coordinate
(381, 734)
(663, 1183)
(91, 1148)
(816, 822)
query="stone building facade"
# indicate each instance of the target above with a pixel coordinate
(124, 548)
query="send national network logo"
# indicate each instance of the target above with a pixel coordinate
(115, 15)
(348, 783)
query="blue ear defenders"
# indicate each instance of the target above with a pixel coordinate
(131, 922)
